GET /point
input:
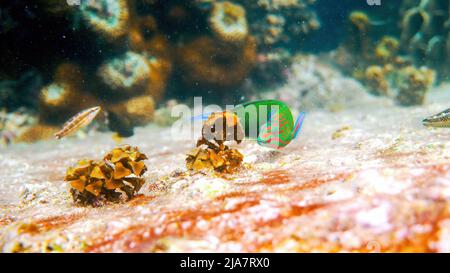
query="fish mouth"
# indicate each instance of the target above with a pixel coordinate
(427, 122)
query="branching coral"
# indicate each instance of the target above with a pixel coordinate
(109, 17)
(95, 182)
(211, 62)
(228, 21)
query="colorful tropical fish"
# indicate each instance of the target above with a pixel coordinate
(269, 122)
(276, 127)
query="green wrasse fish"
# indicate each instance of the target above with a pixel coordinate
(270, 122)
(441, 119)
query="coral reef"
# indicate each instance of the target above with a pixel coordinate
(218, 63)
(94, 183)
(425, 30)
(280, 23)
(382, 64)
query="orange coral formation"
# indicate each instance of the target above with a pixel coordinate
(222, 161)
(211, 153)
(211, 62)
(228, 21)
(120, 172)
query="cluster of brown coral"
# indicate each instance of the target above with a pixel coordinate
(211, 152)
(425, 33)
(118, 176)
(381, 64)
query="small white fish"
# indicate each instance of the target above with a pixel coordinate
(78, 121)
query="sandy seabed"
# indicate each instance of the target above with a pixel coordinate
(365, 179)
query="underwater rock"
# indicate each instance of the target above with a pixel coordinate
(94, 183)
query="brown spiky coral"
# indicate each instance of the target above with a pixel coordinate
(228, 22)
(211, 62)
(108, 17)
(120, 172)
(211, 152)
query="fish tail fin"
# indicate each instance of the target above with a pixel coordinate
(298, 124)
(201, 117)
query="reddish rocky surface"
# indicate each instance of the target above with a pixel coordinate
(380, 184)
